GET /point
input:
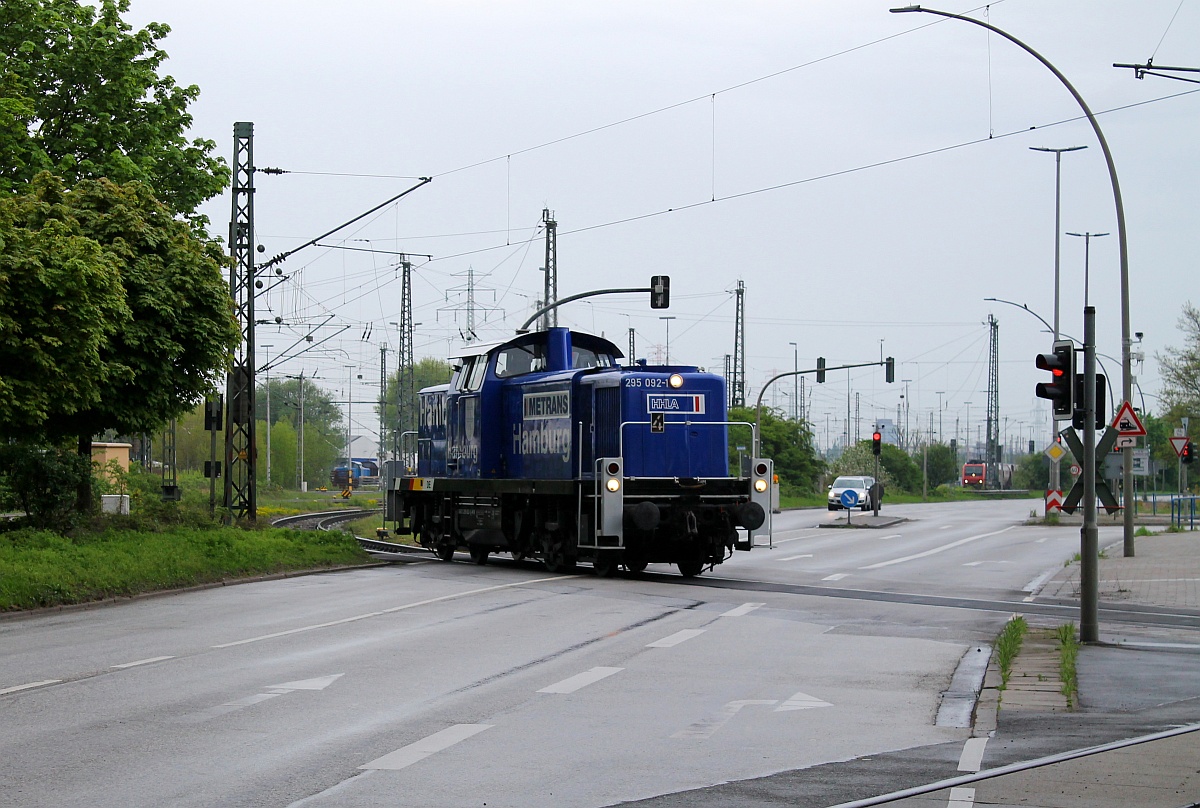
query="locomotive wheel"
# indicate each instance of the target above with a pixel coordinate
(445, 551)
(635, 565)
(606, 563)
(554, 556)
(690, 569)
(479, 555)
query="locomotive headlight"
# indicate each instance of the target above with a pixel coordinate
(675, 381)
(613, 484)
(760, 485)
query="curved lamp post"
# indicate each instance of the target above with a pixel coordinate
(1126, 366)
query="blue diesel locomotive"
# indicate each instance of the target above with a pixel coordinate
(542, 446)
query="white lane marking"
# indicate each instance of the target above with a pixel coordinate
(143, 662)
(745, 608)
(977, 563)
(705, 727)
(804, 535)
(971, 759)
(1037, 582)
(937, 550)
(837, 576)
(29, 686)
(392, 610)
(676, 638)
(961, 798)
(1042, 540)
(801, 701)
(414, 752)
(580, 680)
(320, 683)
(893, 536)
(945, 527)
(793, 558)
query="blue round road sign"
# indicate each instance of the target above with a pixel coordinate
(849, 498)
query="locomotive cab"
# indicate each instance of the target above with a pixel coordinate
(543, 446)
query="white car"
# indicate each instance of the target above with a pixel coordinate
(859, 485)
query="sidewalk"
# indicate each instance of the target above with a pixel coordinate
(1138, 680)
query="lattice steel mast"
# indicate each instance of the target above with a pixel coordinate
(737, 388)
(405, 378)
(550, 295)
(993, 401)
(241, 495)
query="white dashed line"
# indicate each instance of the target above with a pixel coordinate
(580, 680)
(29, 686)
(676, 638)
(837, 576)
(961, 798)
(744, 609)
(793, 558)
(937, 550)
(143, 662)
(414, 752)
(971, 759)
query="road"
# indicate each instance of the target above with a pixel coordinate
(438, 684)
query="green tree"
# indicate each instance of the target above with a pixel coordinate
(1180, 367)
(904, 471)
(81, 97)
(427, 372)
(860, 460)
(942, 465)
(788, 443)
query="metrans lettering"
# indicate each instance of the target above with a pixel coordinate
(556, 404)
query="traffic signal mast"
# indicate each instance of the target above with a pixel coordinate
(1061, 388)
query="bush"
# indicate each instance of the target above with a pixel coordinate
(43, 481)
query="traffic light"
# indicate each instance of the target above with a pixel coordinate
(820, 370)
(1061, 389)
(1077, 419)
(876, 440)
(660, 292)
(889, 370)
(1186, 455)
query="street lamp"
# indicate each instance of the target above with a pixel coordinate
(1057, 217)
(1089, 627)
(667, 319)
(795, 381)
(1087, 247)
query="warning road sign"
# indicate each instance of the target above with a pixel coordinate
(1127, 422)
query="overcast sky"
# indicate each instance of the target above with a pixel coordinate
(867, 175)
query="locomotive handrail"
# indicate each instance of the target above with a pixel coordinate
(686, 422)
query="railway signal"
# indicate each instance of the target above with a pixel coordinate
(660, 292)
(1061, 388)
(820, 370)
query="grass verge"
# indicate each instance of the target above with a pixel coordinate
(1068, 653)
(40, 568)
(1008, 645)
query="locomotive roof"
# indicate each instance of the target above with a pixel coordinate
(579, 338)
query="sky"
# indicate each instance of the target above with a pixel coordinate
(869, 177)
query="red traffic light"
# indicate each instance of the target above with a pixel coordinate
(1186, 455)
(876, 440)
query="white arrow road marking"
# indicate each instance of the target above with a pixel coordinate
(793, 558)
(707, 726)
(580, 680)
(414, 752)
(961, 798)
(937, 550)
(676, 638)
(837, 576)
(29, 686)
(143, 662)
(744, 609)
(801, 701)
(320, 683)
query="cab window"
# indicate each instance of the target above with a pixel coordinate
(587, 358)
(470, 377)
(518, 360)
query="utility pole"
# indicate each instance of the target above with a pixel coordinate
(550, 318)
(382, 405)
(632, 347)
(993, 401)
(267, 374)
(795, 381)
(1087, 250)
(1055, 469)
(738, 394)
(241, 490)
(667, 319)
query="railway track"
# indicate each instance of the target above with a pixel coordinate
(328, 520)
